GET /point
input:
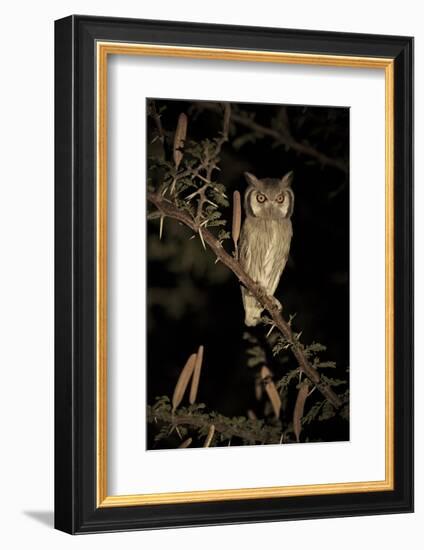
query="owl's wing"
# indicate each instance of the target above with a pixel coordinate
(264, 250)
(279, 253)
(245, 251)
(254, 243)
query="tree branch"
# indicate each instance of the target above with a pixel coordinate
(156, 117)
(264, 434)
(283, 138)
(268, 302)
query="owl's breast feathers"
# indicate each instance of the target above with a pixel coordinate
(264, 249)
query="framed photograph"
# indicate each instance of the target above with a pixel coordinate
(234, 274)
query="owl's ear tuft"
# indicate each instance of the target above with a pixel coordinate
(251, 179)
(287, 179)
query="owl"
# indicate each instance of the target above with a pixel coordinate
(265, 236)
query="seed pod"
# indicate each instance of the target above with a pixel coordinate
(179, 138)
(302, 394)
(271, 390)
(183, 381)
(236, 220)
(196, 375)
(210, 435)
(186, 443)
(258, 388)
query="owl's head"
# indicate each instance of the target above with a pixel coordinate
(269, 198)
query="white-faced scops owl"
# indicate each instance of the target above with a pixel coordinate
(265, 236)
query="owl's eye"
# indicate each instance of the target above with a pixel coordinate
(280, 199)
(260, 197)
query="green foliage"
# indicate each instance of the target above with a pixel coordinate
(313, 412)
(327, 412)
(256, 355)
(194, 421)
(282, 344)
(324, 364)
(334, 382)
(285, 381)
(313, 349)
(223, 235)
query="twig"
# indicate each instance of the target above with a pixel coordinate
(235, 229)
(201, 192)
(207, 165)
(156, 117)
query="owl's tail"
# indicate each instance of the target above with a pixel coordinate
(252, 309)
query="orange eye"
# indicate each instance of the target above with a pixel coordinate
(260, 197)
(280, 199)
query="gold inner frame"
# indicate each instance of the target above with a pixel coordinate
(103, 50)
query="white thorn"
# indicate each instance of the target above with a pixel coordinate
(201, 238)
(270, 330)
(212, 203)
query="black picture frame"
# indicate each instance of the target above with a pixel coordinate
(76, 509)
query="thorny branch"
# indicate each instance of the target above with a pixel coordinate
(167, 208)
(264, 436)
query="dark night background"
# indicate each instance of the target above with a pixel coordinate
(193, 301)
